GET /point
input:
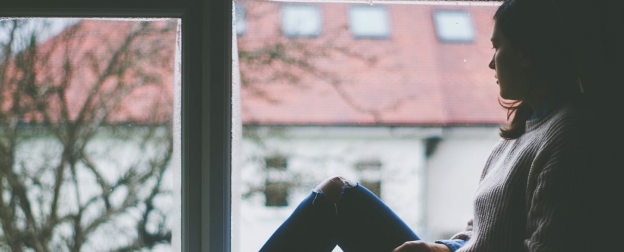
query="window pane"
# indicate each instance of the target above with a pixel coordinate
(411, 117)
(454, 25)
(86, 124)
(369, 21)
(301, 20)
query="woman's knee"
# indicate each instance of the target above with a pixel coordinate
(333, 187)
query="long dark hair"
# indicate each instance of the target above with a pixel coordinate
(534, 27)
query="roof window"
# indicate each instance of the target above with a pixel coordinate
(241, 22)
(301, 20)
(454, 26)
(369, 22)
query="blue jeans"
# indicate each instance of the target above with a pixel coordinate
(360, 222)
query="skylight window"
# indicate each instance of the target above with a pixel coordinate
(301, 20)
(369, 21)
(454, 26)
(241, 23)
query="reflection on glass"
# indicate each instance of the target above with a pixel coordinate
(86, 141)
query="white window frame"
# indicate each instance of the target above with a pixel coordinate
(206, 98)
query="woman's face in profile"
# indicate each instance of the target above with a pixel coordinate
(510, 67)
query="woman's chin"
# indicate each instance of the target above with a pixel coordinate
(506, 96)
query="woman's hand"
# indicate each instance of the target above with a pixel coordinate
(421, 246)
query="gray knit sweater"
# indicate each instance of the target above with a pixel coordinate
(527, 194)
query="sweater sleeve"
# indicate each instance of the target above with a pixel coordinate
(555, 188)
(453, 244)
(466, 234)
(458, 240)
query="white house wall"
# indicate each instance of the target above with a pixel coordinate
(453, 172)
(315, 153)
(113, 155)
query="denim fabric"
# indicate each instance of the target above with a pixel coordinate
(453, 244)
(360, 222)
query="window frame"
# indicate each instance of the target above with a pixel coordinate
(206, 102)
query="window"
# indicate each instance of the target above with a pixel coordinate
(301, 20)
(277, 181)
(276, 193)
(240, 19)
(119, 133)
(370, 175)
(454, 26)
(204, 174)
(369, 22)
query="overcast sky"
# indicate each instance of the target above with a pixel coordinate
(53, 27)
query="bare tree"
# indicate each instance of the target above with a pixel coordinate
(74, 95)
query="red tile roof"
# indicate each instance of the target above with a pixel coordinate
(141, 91)
(409, 78)
(414, 80)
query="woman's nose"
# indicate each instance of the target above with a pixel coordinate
(492, 65)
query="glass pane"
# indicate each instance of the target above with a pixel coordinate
(369, 21)
(454, 25)
(301, 20)
(87, 134)
(410, 117)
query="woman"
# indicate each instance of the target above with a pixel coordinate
(527, 199)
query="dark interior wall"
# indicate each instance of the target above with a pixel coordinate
(596, 29)
(597, 34)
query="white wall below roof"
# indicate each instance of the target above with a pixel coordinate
(317, 153)
(113, 155)
(315, 158)
(453, 175)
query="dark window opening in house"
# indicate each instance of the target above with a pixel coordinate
(454, 25)
(277, 182)
(88, 117)
(369, 21)
(370, 175)
(301, 20)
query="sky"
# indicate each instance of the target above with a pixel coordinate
(48, 26)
